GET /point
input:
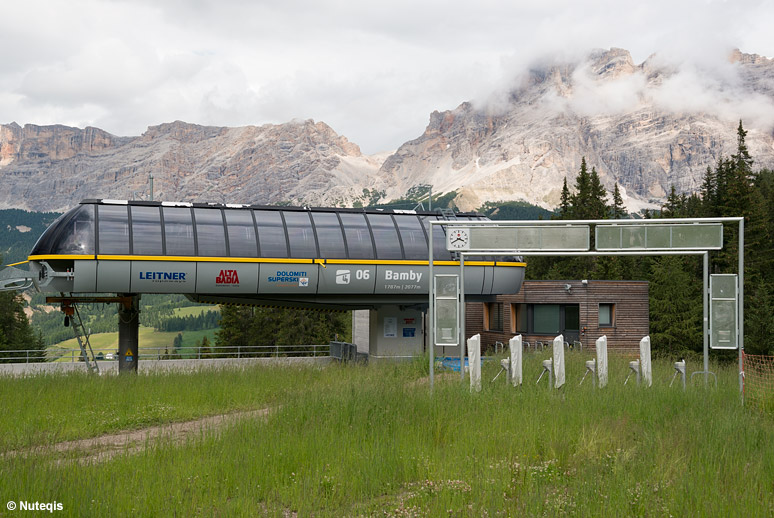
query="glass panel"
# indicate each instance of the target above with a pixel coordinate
(446, 324)
(723, 286)
(146, 231)
(241, 233)
(609, 237)
(697, 236)
(271, 234)
(572, 317)
(605, 314)
(546, 319)
(178, 229)
(446, 286)
(658, 237)
(521, 318)
(414, 240)
(359, 241)
(300, 234)
(43, 244)
(329, 235)
(113, 229)
(210, 233)
(76, 234)
(496, 316)
(385, 236)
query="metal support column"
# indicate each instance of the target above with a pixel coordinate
(740, 321)
(128, 336)
(461, 317)
(705, 304)
(431, 307)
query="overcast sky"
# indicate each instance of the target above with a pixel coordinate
(371, 70)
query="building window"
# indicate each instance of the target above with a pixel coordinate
(606, 313)
(493, 316)
(519, 318)
(546, 319)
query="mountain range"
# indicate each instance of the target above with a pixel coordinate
(643, 126)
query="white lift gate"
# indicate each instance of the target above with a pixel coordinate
(634, 237)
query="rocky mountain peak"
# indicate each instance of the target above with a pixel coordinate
(612, 63)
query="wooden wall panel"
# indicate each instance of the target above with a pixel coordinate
(630, 300)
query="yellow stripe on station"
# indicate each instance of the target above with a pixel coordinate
(62, 257)
(322, 262)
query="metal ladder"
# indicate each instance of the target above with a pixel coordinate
(73, 317)
(449, 215)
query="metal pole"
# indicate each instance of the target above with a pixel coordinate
(704, 302)
(128, 336)
(461, 316)
(431, 307)
(740, 325)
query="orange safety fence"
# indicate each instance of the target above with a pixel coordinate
(759, 381)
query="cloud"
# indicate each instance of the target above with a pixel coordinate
(372, 70)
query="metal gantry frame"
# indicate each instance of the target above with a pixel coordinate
(515, 251)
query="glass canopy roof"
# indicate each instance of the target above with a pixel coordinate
(137, 228)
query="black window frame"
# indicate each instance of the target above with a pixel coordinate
(352, 227)
(309, 252)
(611, 306)
(407, 253)
(323, 237)
(389, 252)
(249, 215)
(260, 233)
(63, 231)
(104, 220)
(172, 210)
(216, 221)
(135, 241)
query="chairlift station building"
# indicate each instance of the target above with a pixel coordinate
(332, 259)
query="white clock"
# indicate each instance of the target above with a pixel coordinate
(458, 239)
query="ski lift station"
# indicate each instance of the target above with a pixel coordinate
(329, 259)
(413, 271)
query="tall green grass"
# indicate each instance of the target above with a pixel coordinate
(365, 441)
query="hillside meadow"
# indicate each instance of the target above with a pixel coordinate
(353, 440)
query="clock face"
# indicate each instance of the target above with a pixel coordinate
(458, 238)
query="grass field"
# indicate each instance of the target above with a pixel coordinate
(372, 440)
(150, 340)
(194, 311)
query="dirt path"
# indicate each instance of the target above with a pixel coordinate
(105, 447)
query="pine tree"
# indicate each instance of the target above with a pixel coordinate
(618, 209)
(597, 197)
(564, 202)
(709, 193)
(579, 200)
(15, 330)
(675, 307)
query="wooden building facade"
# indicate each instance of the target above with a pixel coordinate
(582, 311)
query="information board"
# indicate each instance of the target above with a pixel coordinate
(447, 291)
(515, 239)
(724, 295)
(680, 236)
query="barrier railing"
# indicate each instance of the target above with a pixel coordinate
(166, 353)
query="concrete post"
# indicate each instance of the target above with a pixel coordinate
(128, 336)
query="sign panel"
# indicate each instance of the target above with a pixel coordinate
(724, 295)
(551, 238)
(446, 318)
(679, 236)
